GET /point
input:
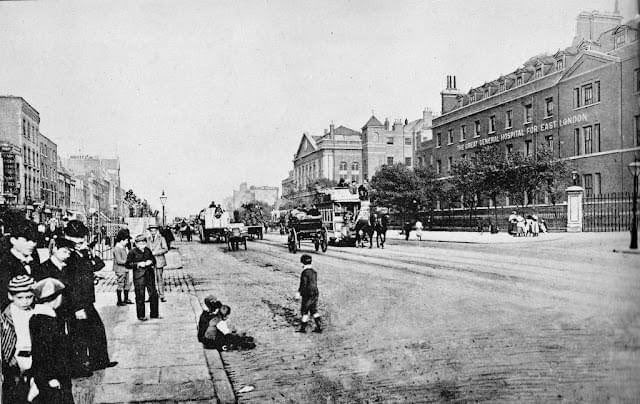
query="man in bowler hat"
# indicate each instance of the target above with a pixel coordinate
(86, 329)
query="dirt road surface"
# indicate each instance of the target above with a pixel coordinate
(431, 322)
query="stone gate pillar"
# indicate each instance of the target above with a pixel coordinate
(574, 209)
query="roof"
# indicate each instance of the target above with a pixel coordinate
(341, 195)
(373, 121)
(343, 130)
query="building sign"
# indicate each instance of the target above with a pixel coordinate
(10, 169)
(530, 129)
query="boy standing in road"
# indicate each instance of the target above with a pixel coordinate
(308, 291)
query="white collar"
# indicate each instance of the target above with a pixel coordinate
(307, 266)
(19, 256)
(44, 309)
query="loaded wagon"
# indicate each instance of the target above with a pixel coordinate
(236, 234)
(310, 229)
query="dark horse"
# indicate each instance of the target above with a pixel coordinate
(367, 229)
(380, 226)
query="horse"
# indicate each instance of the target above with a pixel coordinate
(367, 229)
(380, 226)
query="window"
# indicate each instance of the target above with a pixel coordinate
(527, 113)
(355, 166)
(587, 94)
(420, 162)
(464, 156)
(503, 86)
(597, 184)
(637, 73)
(450, 136)
(355, 178)
(343, 166)
(438, 166)
(588, 141)
(538, 73)
(637, 120)
(596, 91)
(390, 161)
(390, 140)
(438, 139)
(407, 141)
(548, 107)
(527, 148)
(576, 142)
(549, 142)
(508, 119)
(588, 184)
(576, 98)
(431, 160)
(596, 138)
(492, 124)
(449, 163)
(619, 40)
(559, 64)
(407, 161)
(476, 132)
(463, 132)
(486, 93)
(509, 149)
(519, 81)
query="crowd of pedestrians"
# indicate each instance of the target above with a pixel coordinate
(50, 329)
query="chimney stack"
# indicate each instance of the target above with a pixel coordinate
(449, 95)
(331, 129)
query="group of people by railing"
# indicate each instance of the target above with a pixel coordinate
(523, 226)
(50, 330)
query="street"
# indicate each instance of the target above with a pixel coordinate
(431, 321)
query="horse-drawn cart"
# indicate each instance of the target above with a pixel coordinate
(235, 235)
(307, 229)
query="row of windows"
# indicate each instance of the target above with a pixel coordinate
(407, 141)
(493, 124)
(520, 80)
(29, 131)
(355, 166)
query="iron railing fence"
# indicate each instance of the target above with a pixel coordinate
(607, 212)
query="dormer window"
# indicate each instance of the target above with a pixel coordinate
(503, 86)
(559, 64)
(486, 92)
(519, 80)
(538, 73)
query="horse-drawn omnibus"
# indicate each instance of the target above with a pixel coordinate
(339, 208)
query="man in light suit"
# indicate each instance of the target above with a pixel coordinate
(158, 246)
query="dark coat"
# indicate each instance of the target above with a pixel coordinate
(49, 351)
(10, 266)
(49, 270)
(135, 256)
(308, 283)
(80, 267)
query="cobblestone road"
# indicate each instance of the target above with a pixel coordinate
(424, 324)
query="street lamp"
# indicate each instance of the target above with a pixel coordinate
(634, 169)
(163, 200)
(574, 177)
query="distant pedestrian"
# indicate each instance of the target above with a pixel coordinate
(158, 246)
(406, 228)
(142, 261)
(165, 231)
(308, 292)
(123, 283)
(419, 229)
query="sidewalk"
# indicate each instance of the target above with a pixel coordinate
(159, 360)
(472, 237)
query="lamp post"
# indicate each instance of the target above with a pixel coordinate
(574, 177)
(163, 200)
(634, 169)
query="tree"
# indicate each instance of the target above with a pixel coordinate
(466, 183)
(492, 164)
(553, 173)
(429, 189)
(396, 187)
(522, 179)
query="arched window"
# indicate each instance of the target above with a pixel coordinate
(343, 166)
(355, 166)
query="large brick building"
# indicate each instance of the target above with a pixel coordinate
(582, 102)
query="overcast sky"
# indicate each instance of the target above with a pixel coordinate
(198, 96)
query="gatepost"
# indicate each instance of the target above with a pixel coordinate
(574, 209)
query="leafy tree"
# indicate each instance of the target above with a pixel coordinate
(396, 187)
(553, 173)
(429, 189)
(466, 184)
(522, 179)
(492, 164)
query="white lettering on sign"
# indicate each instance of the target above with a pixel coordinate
(516, 133)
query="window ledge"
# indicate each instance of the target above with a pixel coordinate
(491, 133)
(508, 127)
(587, 106)
(475, 136)
(462, 140)
(548, 117)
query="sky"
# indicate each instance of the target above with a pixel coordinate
(196, 97)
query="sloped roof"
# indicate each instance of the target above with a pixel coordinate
(343, 130)
(373, 121)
